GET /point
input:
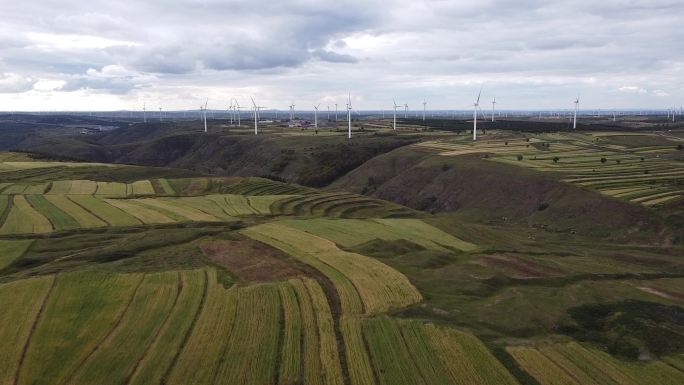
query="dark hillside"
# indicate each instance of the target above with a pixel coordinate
(491, 191)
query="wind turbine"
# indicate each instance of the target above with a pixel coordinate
(405, 110)
(493, 108)
(476, 106)
(394, 126)
(574, 119)
(256, 116)
(292, 113)
(230, 111)
(144, 115)
(316, 116)
(205, 115)
(424, 106)
(160, 114)
(237, 108)
(349, 109)
(335, 112)
(328, 113)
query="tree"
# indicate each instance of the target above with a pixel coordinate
(603, 160)
(680, 147)
(520, 157)
(556, 159)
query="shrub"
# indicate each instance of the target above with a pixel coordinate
(603, 160)
(520, 157)
(556, 159)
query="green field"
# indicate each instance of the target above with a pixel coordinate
(150, 276)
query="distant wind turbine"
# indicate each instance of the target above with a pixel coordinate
(144, 115)
(160, 114)
(256, 116)
(405, 110)
(316, 116)
(424, 107)
(335, 112)
(237, 109)
(574, 119)
(476, 106)
(493, 108)
(394, 125)
(292, 111)
(205, 115)
(349, 110)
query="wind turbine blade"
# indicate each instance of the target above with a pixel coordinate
(478, 96)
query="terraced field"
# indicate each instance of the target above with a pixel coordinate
(606, 162)
(252, 281)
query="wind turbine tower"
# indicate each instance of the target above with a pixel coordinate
(316, 116)
(144, 115)
(424, 107)
(205, 115)
(493, 108)
(349, 110)
(476, 106)
(335, 112)
(574, 119)
(394, 126)
(292, 112)
(256, 117)
(405, 110)
(160, 114)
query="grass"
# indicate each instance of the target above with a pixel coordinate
(20, 302)
(161, 352)
(81, 311)
(11, 250)
(116, 356)
(84, 218)
(111, 189)
(24, 219)
(290, 371)
(208, 338)
(311, 356)
(143, 214)
(358, 361)
(251, 354)
(142, 187)
(111, 214)
(59, 219)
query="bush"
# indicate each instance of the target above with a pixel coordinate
(604, 160)
(556, 159)
(445, 167)
(520, 157)
(680, 147)
(543, 206)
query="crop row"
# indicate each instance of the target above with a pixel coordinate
(574, 364)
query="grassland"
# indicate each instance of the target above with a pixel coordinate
(613, 163)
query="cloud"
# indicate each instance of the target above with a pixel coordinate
(15, 83)
(533, 53)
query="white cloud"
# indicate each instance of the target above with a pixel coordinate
(619, 53)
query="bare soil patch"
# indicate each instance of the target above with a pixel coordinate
(251, 260)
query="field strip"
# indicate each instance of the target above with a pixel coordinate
(290, 341)
(84, 218)
(189, 331)
(118, 353)
(145, 215)
(155, 338)
(208, 338)
(117, 323)
(23, 218)
(24, 346)
(104, 211)
(12, 249)
(57, 217)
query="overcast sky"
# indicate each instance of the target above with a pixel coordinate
(109, 55)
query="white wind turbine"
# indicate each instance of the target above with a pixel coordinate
(316, 116)
(328, 113)
(144, 115)
(405, 110)
(292, 111)
(349, 110)
(574, 119)
(160, 114)
(205, 115)
(256, 116)
(424, 107)
(493, 108)
(335, 112)
(230, 111)
(476, 106)
(394, 125)
(237, 109)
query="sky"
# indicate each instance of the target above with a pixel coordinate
(528, 54)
